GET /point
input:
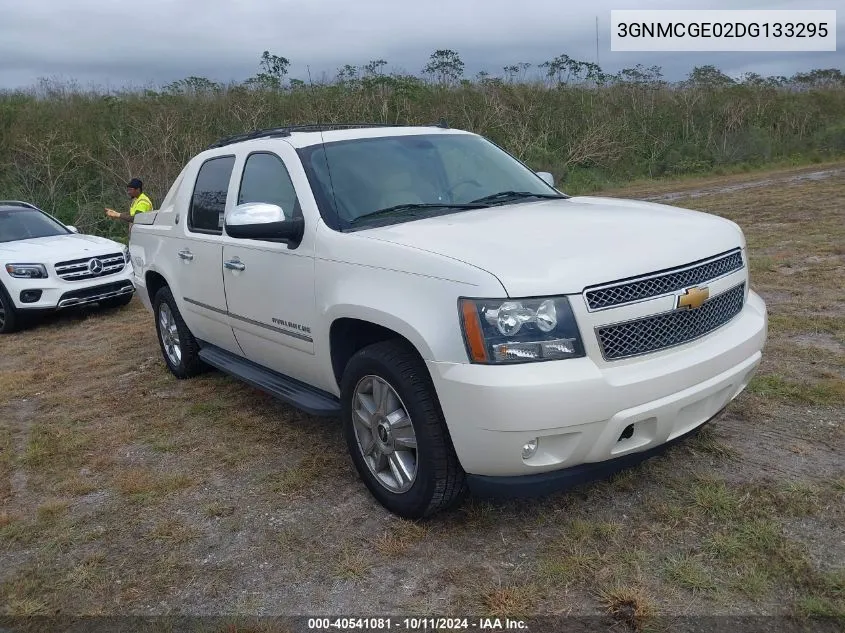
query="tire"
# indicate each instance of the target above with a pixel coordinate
(182, 361)
(439, 482)
(116, 302)
(9, 318)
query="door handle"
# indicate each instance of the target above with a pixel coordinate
(234, 264)
(186, 254)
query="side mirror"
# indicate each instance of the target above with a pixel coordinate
(72, 229)
(547, 177)
(264, 221)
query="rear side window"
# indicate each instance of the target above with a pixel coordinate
(209, 200)
(266, 179)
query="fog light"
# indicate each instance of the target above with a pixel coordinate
(529, 449)
(30, 296)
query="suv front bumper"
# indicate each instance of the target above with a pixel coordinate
(540, 484)
(580, 413)
(57, 294)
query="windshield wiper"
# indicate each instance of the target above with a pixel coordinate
(399, 208)
(504, 196)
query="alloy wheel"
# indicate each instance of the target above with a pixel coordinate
(169, 335)
(385, 434)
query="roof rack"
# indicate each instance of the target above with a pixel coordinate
(287, 130)
(18, 203)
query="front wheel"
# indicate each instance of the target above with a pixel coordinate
(9, 318)
(396, 433)
(178, 346)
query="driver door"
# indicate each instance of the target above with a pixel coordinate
(270, 286)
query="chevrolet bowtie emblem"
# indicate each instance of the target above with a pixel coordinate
(693, 297)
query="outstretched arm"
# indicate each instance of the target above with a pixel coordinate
(119, 216)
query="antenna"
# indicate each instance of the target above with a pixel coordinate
(323, 143)
(597, 41)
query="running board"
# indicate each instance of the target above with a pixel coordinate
(295, 393)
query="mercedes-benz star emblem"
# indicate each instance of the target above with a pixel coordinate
(95, 266)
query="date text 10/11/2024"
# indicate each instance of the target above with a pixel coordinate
(415, 624)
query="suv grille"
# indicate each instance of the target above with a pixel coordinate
(663, 283)
(82, 269)
(653, 333)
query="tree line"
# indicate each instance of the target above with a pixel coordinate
(446, 68)
(72, 150)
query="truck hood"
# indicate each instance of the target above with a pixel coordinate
(48, 250)
(561, 246)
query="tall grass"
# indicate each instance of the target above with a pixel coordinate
(71, 150)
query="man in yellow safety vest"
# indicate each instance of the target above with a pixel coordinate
(141, 203)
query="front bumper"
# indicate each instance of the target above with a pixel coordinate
(95, 294)
(57, 294)
(541, 484)
(581, 413)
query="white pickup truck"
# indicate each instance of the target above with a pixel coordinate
(474, 328)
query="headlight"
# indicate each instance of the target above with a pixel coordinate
(500, 331)
(27, 271)
(125, 254)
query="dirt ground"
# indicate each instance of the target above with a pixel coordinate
(125, 491)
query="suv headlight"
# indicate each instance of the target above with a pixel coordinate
(125, 254)
(27, 271)
(498, 331)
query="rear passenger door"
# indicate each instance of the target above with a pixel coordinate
(199, 256)
(270, 292)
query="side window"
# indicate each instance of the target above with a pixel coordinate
(209, 200)
(265, 179)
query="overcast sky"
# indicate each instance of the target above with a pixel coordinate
(156, 41)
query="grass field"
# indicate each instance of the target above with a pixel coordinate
(125, 491)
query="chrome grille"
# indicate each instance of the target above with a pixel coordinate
(663, 283)
(81, 269)
(660, 331)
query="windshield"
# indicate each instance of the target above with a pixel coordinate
(448, 173)
(25, 224)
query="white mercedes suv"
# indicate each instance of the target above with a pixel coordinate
(46, 266)
(472, 326)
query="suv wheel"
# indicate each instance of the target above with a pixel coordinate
(9, 320)
(396, 433)
(178, 346)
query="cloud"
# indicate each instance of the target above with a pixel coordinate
(158, 41)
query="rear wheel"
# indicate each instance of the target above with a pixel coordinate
(178, 346)
(9, 317)
(396, 433)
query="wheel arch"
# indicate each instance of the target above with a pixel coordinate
(350, 334)
(154, 281)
